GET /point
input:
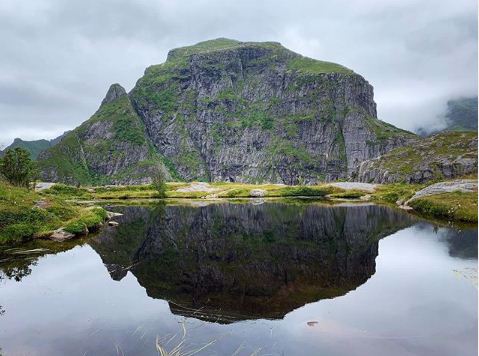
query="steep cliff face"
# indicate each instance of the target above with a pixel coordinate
(225, 110)
(230, 111)
(442, 156)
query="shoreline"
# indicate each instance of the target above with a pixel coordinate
(63, 212)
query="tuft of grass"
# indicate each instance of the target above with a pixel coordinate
(89, 220)
(452, 206)
(67, 191)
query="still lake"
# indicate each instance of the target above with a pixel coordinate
(263, 278)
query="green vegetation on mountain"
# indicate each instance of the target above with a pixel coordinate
(33, 147)
(225, 110)
(110, 146)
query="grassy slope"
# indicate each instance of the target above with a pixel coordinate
(297, 62)
(26, 214)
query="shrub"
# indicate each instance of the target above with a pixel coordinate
(17, 167)
(159, 182)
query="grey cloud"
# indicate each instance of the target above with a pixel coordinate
(59, 57)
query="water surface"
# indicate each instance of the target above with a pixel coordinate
(264, 279)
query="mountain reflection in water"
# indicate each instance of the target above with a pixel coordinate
(228, 262)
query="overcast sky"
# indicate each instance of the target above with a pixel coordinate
(58, 57)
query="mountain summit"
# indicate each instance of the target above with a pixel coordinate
(225, 110)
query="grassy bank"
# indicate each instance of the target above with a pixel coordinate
(455, 206)
(27, 214)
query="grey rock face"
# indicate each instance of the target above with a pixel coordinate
(109, 148)
(250, 114)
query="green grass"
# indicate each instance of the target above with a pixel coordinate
(25, 214)
(313, 66)
(20, 218)
(457, 206)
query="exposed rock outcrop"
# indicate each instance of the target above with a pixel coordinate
(442, 156)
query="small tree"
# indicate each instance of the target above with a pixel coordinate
(17, 167)
(159, 181)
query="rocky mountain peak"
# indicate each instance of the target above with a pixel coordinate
(114, 92)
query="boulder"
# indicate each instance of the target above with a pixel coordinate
(61, 235)
(257, 193)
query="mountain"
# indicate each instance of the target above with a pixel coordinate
(224, 110)
(461, 115)
(33, 147)
(442, 156)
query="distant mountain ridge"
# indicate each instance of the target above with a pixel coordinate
(225, 110)
(34, 147)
